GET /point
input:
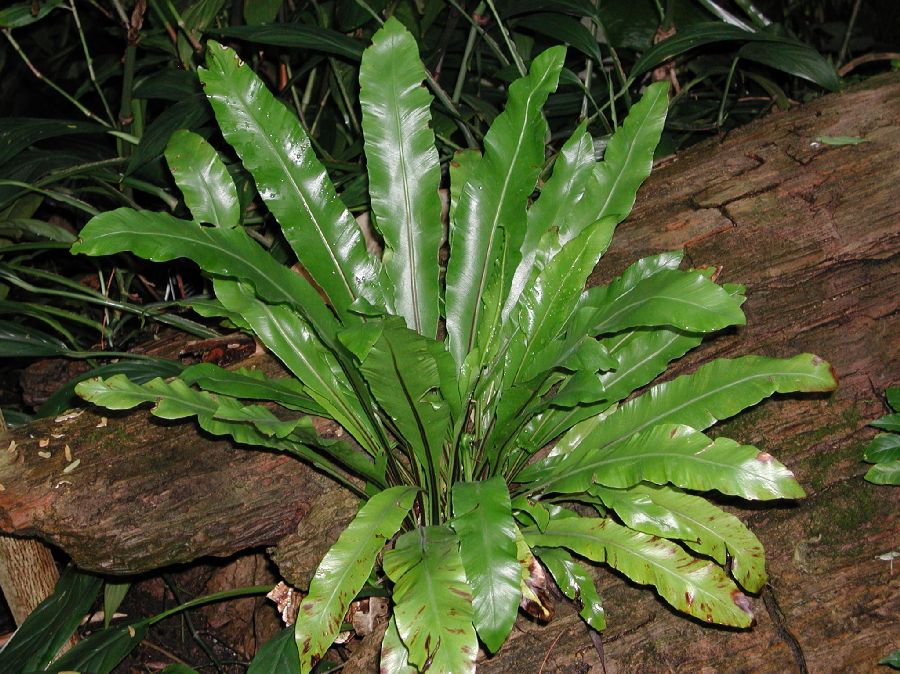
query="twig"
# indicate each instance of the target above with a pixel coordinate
(549, 651)
(50, 83)
(520, 64)
(90, 63)
(867, 58)
(842, 54)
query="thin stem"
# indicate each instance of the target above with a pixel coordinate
(90, 63)
(488, 40)
(467, 52)
(50, 83)
(457, 117)
(520, 64)
(720, 119)
(851, 24)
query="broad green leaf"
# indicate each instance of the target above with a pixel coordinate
(405, 380)
(716, 391)
(546, 305)
(534, 509)
(563, 29)
(693, 586)
(207, 187)
(666, 453)
(576, 583)
(188, 113)
(101, 652)
(138, 371)
(394, 658)
(892, 660)
(277, 656)
(560, 193)
(686, 300)
(893, 397)
(18, 133)
(344, 571)
(23, 341)
(697, 35)
(494, 199)
(113, 594)
(461, 167)
(404, 172)
(296, 36)
(249, 425)
(257, 12)
(889, 422)
(482, 518)
(290, 338)
(432, 601)
(705, 528)
(887, 472)
(800, 60)
(49, 626)
(629, 156)
(253, 385)
(290, 179)
(26, 13)
(883, 447)
(217, 250)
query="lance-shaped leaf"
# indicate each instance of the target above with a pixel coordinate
(291, 180)
(697, 587)
(546, 305)
(629, 155)
(494, 198)
(576, 583)
(217, 250)
(705, 528)
(207, 187)
(404, 378)
(640, 354)
(666, 453)
(461, 167)
(344, 570)
(394, 658)
(248, 425)
(432, 601)
(404, 172)
(556, 204)
(716, 391)
(686, 300)
(251, 385)
(887, 472)
(482, 518)
(883, 447)
(290, 338)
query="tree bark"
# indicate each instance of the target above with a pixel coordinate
(812, 229)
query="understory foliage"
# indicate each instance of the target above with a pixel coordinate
(454, 381)
(884, 449)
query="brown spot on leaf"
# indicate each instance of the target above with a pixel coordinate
(742, 602)
(764, 457)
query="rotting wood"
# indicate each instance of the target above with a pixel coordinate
(814, 232)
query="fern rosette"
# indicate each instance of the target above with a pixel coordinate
(454, 385)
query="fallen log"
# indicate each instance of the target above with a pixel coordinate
(812, 228)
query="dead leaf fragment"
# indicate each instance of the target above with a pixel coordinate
(72, 466)
(102, 424)
(12, 446)
(44, 455)
(68, 453)
(44, 442)
(287, 599)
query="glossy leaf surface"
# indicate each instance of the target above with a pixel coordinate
(207, 188)
(576, 583)
(277, 656)
(705, 528)
(50, 625)
(290, 179)
(482, 518)
(344, 570)
(432, 601)
(404, 172)
(666, 453)
(693, 586)
(494, 198)
(101, 652)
